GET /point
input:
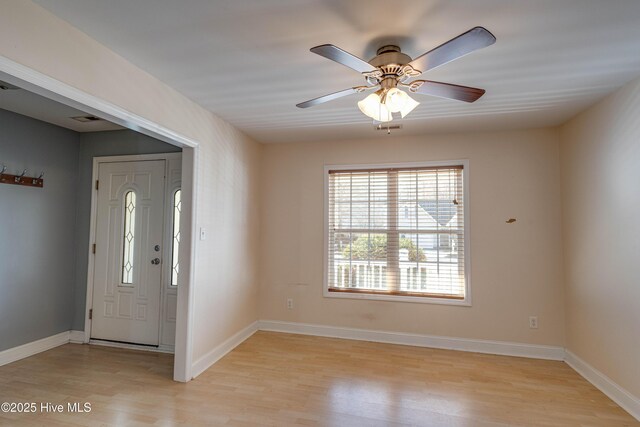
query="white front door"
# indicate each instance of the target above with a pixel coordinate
(128, 254)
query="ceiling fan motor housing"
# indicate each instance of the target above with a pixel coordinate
(389, 55)
(390, 61)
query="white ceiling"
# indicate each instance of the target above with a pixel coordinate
(38, 107)
(249, 62)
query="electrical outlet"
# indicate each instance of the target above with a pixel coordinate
(290, 303)
(533, 322)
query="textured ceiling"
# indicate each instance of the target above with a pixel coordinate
(248, 61)
(38, 107)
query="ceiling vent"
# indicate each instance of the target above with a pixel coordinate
(7, 86)
(86, 119)
(386, 127)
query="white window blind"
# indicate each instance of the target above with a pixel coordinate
(397, 231)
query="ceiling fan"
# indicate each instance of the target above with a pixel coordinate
(391, 70)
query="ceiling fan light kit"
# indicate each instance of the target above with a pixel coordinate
(398, 101)
(381, 105)
(391, 70)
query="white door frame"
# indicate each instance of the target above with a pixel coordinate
(92, 239)
(41, 84)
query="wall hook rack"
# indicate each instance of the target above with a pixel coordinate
(21, 179)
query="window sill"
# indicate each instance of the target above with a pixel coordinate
(466, 302)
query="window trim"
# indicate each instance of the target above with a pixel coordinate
(389, 297)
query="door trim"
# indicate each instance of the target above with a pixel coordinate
(51, 88)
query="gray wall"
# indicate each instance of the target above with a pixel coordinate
(44, 233)
(95, 144)
(37, 230)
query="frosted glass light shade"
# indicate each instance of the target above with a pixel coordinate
(398, 101)
(395, 100)
(408, 106)
(371, 107)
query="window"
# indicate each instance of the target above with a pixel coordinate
(128, 238)
(397, 232)
(175, 265)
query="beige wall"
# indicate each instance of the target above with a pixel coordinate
(226, 297)
(600, 155)
(516, 269)
(225, 288)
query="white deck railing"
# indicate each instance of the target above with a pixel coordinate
(442, 278)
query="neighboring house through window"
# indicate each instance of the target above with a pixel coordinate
(397, 232)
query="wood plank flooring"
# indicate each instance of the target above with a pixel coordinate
(285, 380)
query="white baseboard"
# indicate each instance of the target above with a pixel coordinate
(76, 337)
(203, 363)
(34, 347)
(622, 397)
(432, 341)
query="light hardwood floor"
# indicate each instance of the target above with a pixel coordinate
(281, 380)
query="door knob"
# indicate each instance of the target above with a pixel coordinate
(155, 261)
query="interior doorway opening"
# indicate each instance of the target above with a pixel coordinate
(49, 89)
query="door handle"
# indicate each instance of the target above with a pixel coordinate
(155, 261)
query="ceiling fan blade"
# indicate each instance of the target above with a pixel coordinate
(330, 97)
(446, 90)
(343, 57)
(474, 39)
